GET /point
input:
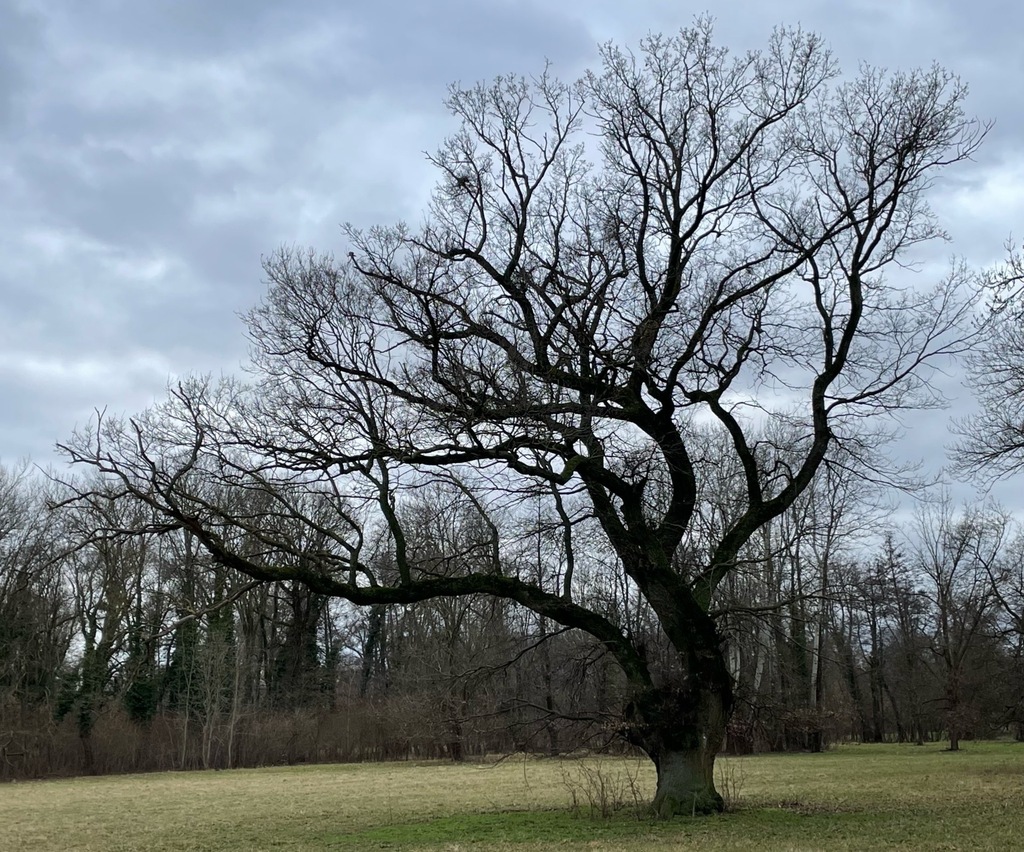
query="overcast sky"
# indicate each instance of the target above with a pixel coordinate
(152, 150)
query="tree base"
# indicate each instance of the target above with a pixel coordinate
(685, 787)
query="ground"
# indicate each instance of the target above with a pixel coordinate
(851, 798)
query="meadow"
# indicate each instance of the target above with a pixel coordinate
(853, 797)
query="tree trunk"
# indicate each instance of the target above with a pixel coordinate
(682, 730)
(686, 783)
(875, 684)
(680, 720)
(88, 756)
(954, 714)
(902, 734)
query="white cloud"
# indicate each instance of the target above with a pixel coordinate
(83, 375)
(995, 198)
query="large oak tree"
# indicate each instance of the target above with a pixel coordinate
(683, 244)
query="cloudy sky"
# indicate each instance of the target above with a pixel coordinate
(152, 150)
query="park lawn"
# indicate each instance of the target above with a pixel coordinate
(853, 797)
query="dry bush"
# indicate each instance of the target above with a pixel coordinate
(605, 787)
(730, 782)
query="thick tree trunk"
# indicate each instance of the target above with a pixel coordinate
(682, 729)
(686, 784)
(680, 719)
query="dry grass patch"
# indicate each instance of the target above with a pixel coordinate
(855, 797)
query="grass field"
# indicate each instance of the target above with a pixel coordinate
(854, 797)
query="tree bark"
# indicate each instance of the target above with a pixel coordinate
(682, 729)
(681, 722)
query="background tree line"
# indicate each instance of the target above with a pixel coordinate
(124, 654)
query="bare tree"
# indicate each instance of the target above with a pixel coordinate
(960, 558)
(1011, 601)
(35, 607)
(992, 441)
(566, 322)
(106, 573)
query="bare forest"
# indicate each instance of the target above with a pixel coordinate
(145, 655)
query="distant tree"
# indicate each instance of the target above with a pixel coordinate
(683, 241)
(906, 609)
(991, 442)
(1011, 600)
(106, 572)
(959, 557)
(35, 607)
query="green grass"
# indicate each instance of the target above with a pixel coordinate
(851, 798)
